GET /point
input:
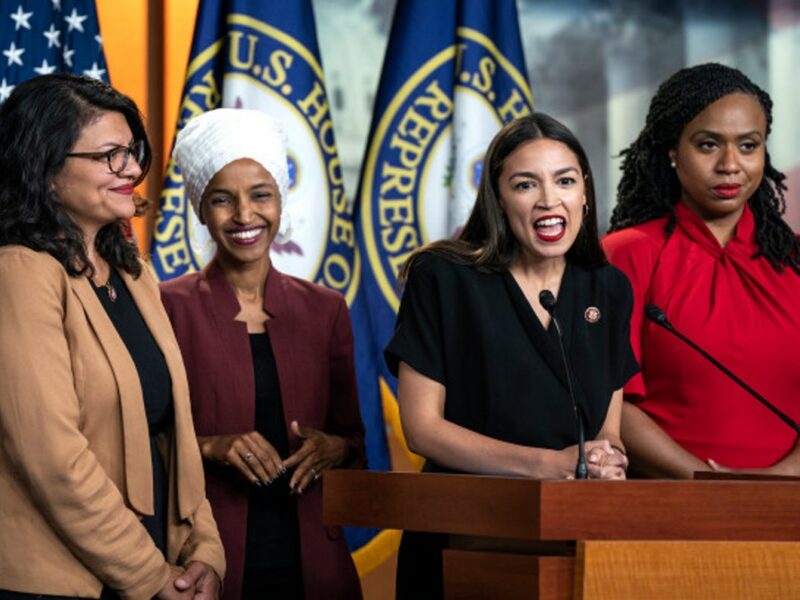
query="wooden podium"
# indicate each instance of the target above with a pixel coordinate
(519, 538)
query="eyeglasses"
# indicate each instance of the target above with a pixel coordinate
(117, 158)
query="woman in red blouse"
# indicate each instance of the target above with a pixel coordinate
(698, 229)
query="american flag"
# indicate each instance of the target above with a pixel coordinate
(38, 37)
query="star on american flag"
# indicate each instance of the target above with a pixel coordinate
(39, 37)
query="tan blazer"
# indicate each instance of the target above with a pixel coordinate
(75, 472)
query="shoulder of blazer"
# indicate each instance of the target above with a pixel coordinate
(12, 255)
(307, 289)
(178, 293)
(180, 286)
(22, 262)
(303, 299)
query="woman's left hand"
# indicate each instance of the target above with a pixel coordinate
(202, 578)
(319, 451)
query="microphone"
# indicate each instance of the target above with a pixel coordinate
(657, 316)
(548, 302)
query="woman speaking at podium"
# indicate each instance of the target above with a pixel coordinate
(483, 386)
(698, 230)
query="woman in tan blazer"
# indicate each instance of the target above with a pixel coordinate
(101, 478)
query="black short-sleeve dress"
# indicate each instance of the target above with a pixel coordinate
(476, 333)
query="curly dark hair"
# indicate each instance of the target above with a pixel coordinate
(649, 188)
(486, 241)
(40, 123)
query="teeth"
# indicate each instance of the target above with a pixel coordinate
(245, 235)
(551, 222)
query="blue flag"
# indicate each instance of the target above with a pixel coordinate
(38, 38)
(453, 74)
(263, 55)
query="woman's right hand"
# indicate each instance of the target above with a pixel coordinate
(251, 454)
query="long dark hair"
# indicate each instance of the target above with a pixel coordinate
(40, 123)
(486, 241)
(649, 187)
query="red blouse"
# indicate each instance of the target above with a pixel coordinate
(736, 307)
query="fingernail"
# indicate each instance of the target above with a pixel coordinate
(257, 482)
(267, 481)
(283, 469)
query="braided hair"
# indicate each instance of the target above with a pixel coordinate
(649, 188)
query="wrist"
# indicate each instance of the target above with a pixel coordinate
(205, 444)
(342, 450)
(553, 464)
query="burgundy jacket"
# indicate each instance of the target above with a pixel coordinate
(312, 341)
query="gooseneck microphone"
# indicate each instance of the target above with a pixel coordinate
(657, 316)
(548, 302)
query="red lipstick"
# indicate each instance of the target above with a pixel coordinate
(727, 190)
(550, 228)
(127, 190)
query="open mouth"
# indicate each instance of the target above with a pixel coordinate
(246, 237)
(550, 228)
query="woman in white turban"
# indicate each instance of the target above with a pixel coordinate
(270, 365)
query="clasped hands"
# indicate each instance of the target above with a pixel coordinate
(258, 461)
(603, 460)
(197, 582)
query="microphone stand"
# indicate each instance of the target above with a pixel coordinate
(657, 316)
(548, 302)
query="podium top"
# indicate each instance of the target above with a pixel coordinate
(564, 510)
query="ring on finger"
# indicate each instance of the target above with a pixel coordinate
(248, 456)
(315, 473)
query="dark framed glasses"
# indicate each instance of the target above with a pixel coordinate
(117, 158)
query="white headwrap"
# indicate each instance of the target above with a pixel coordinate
(210, 141)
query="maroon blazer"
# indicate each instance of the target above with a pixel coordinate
(312, 342)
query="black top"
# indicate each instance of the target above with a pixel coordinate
(476, 333)
(156, 390)
(272, 552)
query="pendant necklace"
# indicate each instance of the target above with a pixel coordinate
(110, 289)
(112, 293)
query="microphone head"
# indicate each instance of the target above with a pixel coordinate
(547, 300)
(656, 315)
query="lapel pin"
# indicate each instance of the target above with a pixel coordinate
(592, 314)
